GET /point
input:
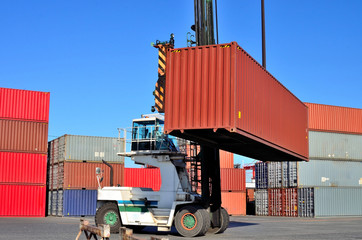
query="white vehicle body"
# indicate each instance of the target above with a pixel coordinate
(143, 206)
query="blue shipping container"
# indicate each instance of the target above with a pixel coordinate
(261, 175)
(79, 202)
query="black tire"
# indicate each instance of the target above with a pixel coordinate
(192, 220)
(224, 223)
(109, 214)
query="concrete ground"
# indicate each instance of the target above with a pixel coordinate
(249, 227)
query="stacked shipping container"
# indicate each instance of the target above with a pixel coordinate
(330, 184)
(72, 172)
(333, 179)
(24, 119)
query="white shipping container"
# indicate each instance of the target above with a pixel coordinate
(85, 148)
(326, 173)
(329, 146)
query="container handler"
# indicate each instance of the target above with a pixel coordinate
(174, 204)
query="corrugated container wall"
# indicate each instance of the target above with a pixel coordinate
(261, 175)
(143, 177)
(86, 148)
(22, 200)
(334, 119)
(290, 202)
(324, 145)
(24, 105)
(78, 175)
(79, 202)
(232, 179)
(23, 168)
(23, 136)
(261, 202)
(275, 207)
(275, 175)
(306, 202)
(337, 201)
(234, 202)
(232, 100)
(324, 173)
(226, 159)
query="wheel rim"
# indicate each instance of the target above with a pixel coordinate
(188, 221)
(110, 218)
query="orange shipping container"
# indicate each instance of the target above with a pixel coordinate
(229, 99)
(275, 206)
(22, 136)
(78, 175)
(250, 194)
(226, 159)
(290, 202)
(234, 202)
(334, 119)
(232, 179)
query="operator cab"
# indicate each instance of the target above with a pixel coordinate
(147, 135)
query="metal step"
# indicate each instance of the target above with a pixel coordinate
(161, 215)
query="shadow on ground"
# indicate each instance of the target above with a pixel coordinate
(173, 232)
(234, 224)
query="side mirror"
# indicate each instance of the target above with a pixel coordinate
(98, 170)
(101, 180)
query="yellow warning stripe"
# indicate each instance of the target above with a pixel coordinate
(160, 63)
(162, 56)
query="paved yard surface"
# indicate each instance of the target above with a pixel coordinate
(250, 227)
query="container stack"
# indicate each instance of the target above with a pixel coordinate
(24, 117)
(276, 189)
(330, 184)
(72, 178)
(233, 189)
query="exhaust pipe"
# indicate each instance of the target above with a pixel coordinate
(111, 177)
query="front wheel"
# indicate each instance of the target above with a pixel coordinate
(192, 220)
(109, 214)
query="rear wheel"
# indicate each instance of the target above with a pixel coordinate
(109, 214)
(224, 218)
(192, 220)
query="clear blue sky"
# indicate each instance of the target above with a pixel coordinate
(95, 57)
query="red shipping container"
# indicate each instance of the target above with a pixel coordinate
(23, 136)
(26, 168)
(24, 105)
(22, 200)
(226, 159)
(232, 179)
(220, 93)
(290, 202)
(334, 119)
(234, 202)
(250, 194)
(82, 175)
(143, 177)
(275, 206)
